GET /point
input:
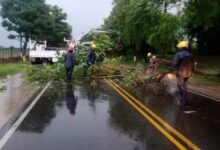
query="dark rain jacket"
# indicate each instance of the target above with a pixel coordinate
(91, 57)
(69, 60)
(183, 63)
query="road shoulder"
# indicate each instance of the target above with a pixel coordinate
(15, 94)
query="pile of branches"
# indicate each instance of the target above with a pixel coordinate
(131, 76)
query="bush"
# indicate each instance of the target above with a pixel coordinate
(81, 54)
(46, 73)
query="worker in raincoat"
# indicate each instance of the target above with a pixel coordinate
(183, 66)
(90, 60)
(69, 62)
(91, 57)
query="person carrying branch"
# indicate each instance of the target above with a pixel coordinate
(183, 66)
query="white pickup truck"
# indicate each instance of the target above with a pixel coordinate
(40, 53)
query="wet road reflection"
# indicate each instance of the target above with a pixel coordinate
(101, 120)
(71, 99)
(200, 121)
(92, 116)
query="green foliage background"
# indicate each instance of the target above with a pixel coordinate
(151, 26)
(34, 19)
(106, 46)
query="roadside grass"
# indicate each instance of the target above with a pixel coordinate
(210, 67)
(12, 68)
(208, 63)
(130, 62)
(210, 79)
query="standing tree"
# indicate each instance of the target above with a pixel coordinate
(145, 25)
(202, 20)
(34, 19)
(59, 29)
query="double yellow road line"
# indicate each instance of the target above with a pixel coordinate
(155, 120)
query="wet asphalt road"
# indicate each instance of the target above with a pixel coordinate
(16, 93)
(85, 117)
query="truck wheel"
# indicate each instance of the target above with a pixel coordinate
(45, 62)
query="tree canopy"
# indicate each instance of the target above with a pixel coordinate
(35, 19)
(202, 21)
(150, 25)
(144, 25)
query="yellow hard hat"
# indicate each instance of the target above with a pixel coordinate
(149, 54)
(94, 46)
(183, 44)
(170, 76)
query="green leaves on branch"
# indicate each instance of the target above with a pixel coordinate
(46, 73)
(201, 19)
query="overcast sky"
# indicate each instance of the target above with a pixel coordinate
(82, 15)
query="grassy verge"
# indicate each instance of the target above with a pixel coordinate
(12, 68)
(208, 79)
(130, 62)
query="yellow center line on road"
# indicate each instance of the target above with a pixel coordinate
(147, 117)
(165, 124)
